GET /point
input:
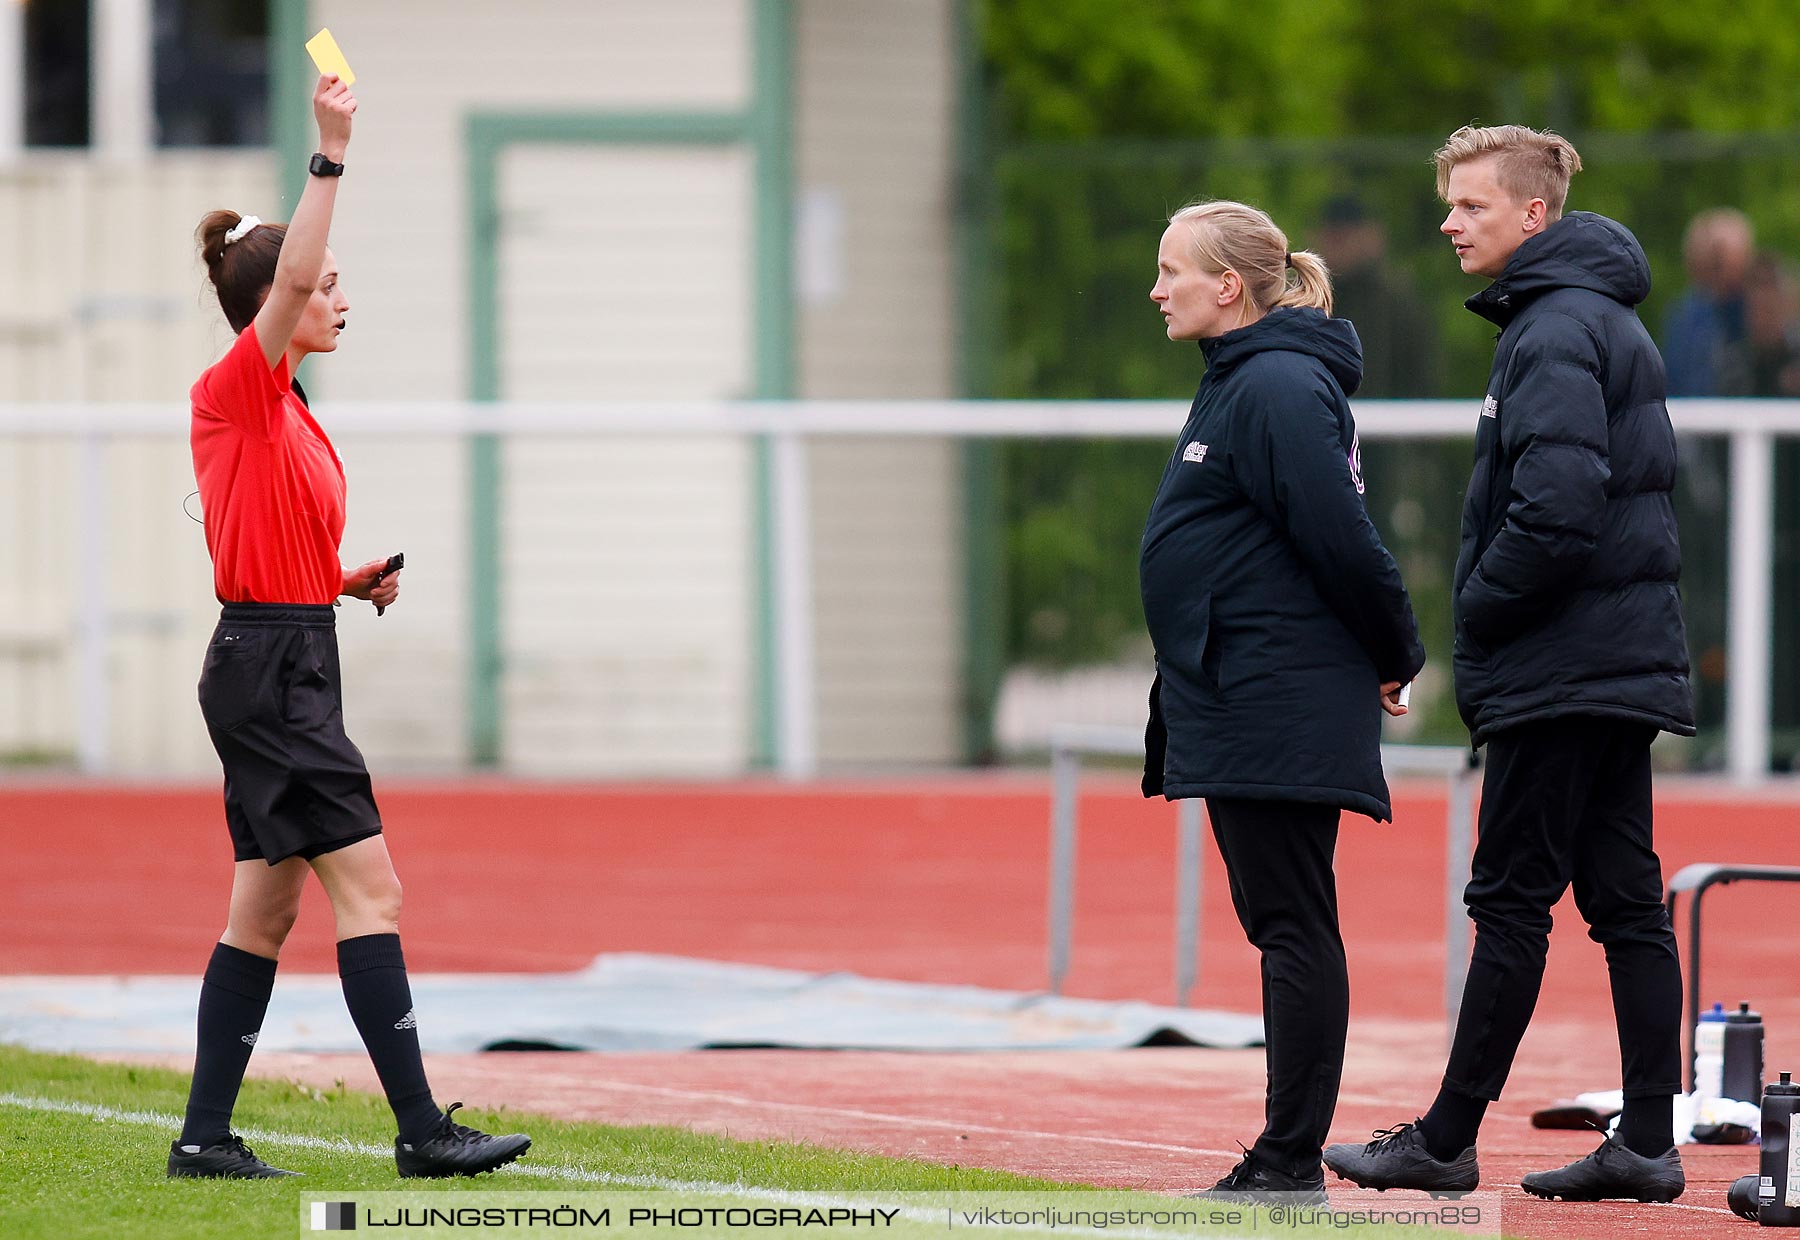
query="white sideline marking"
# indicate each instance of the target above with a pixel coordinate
(161, 1119)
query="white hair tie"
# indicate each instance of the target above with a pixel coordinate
(242, 230)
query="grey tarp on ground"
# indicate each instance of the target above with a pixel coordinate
(622, 1002)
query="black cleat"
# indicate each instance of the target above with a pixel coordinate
(1254, 1182)
(229, 1159)
(1613, 1170)
(1397, 1158)
(457, 1150)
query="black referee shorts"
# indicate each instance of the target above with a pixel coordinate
(295, 785)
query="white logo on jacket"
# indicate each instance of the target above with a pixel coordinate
(1195, 452)
(1490, 408)
(1356, 461)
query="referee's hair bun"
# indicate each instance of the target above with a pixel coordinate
(240, 270)
(211, 235)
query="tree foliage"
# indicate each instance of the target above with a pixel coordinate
(1105, 115)
(1064, 69)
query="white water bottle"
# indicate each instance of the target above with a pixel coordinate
(1709, 1054)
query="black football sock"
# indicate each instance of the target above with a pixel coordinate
(1647, 1125)
(1452, 1124)
(234, 995)
(373, 972)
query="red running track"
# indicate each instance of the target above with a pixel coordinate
(939, 880)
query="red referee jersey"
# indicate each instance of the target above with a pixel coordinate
(271, 484)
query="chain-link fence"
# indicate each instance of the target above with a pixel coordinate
(1074, 228)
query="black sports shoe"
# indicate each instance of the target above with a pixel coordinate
(1613, 1170)
(229, 1159)
(1252, 1181)
(1397, 1158)
(457, 1150)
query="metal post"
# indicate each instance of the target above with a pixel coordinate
(1065, 771)
(92, 624)
(1458, 853)
(1693, 986)
(1068, 742)
(797, 727)
(1189, 858)
(1749, 645)
(12, 81)
(124, 101)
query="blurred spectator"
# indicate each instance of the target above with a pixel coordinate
(1766, 362)
(1707, 321)
(1399, 337)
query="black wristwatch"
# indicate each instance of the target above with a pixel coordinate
(322, 167)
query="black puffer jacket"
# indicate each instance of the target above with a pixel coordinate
(1274, 608)
(1566, 598)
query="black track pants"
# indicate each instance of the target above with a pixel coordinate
(1568, 801)
(1278, 855)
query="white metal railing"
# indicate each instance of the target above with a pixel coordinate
(1750, 425)
(1070, 742)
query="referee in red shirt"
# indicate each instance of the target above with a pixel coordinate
(297, 794)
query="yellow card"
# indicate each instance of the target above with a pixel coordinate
(329, 57)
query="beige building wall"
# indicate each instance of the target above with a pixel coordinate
(108, 303)
(875, 94)
(107, 299)
(628, 617)
(626, 610)
(422, 67)
(625, 273)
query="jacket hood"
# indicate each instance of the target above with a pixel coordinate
(1581, 250)
(1294, 329)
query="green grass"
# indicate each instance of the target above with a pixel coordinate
(67, 1176)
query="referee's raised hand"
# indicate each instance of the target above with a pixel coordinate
(333, 106)
(361, 583)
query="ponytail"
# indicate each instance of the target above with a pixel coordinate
(1312, 286)
(1235, 237)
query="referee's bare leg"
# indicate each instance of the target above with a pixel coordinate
(234, 998)
(364, 890)
(365, 896)
(265, 901)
